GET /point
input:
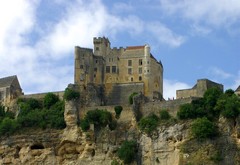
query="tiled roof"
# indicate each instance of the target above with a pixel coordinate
(238, 89)
(7, 81)
(134, 47)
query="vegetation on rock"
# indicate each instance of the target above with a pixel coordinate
(148, 124)
(164, 115)
(118, 110)
(202, 128)
(127, 151)
(130, 98)
(70, 94)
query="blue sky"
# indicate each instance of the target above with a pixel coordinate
(194, 39)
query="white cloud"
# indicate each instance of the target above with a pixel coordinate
(219, 73)
(214, 12)
(171, 86)
(200, 30)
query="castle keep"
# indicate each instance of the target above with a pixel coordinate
(120, 71)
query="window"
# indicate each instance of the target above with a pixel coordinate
(107, 69)
(97, 48)
(129, 70)
(140, 78)
(81, 66)
(131, 79)
(96, 61)
(140, 62)
(95, 69)
(94, 76)
(114, 69)
(140, 70)
(129, 62)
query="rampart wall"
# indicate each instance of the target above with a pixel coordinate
(42, 95)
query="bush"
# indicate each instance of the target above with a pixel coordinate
(118, 110)
(113, 125)
(203, 128)
(130, 99)
(127, 151)
(186, 112)
(70, 94)
(84, 124)
(164, 115)
(8, 126)
(49, 100)
(99, 117)
(148, 124)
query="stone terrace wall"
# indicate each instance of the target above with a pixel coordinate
(42, 95)
(171, 106)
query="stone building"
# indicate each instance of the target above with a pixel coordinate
(9, 89)
(199, 89)
(121, 71)
(237, 91)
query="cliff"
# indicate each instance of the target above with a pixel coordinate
(170, 144)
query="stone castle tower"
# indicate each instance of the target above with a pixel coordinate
(121, 71)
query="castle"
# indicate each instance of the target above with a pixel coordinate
(119, 71)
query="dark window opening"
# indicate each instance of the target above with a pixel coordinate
(140, 78)
(97, 48)
(140, 61)
(95, 69)
(129, 62)
(129, 70)
(96, 61)
(81, 66)
(131, 79)
(107, 69)
(114, 69)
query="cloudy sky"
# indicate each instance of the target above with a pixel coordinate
(193, 38)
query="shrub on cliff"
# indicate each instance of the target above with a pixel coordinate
(49, 100)
(148, 124)
(118, 110)
(164, 115)
(70, 94)
(202, 128)
(130, 98)
(127, 151)
(8, 126)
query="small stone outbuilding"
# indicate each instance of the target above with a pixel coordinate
(199, 89)
(10, 89)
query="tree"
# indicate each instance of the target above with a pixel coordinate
(49, 100)
(202, 128)
(186, 112)
(118, 110)
(127, 151)
(148, 124)
(70, 94)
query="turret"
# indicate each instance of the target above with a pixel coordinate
(101, 46)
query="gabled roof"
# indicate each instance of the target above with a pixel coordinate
(7, 81)
(238, 89)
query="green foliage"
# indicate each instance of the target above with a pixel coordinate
(148, 124)
(8, 126)
(70, 94)
(99, 117)
(84, 124)
(49, 100)
(33, 115)
(202, 128)
(130, 99)
(229, 92)
(118, 110)
(216, 157)
(186, 112)
(210, 99)
(4, 114)
(115, 162)
(127, 151)
(164, 115)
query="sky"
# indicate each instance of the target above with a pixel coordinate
(194, 39)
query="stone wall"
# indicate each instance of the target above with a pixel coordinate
(119, 93)
(42, 95)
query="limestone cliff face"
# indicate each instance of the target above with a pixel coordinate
(169, 145)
